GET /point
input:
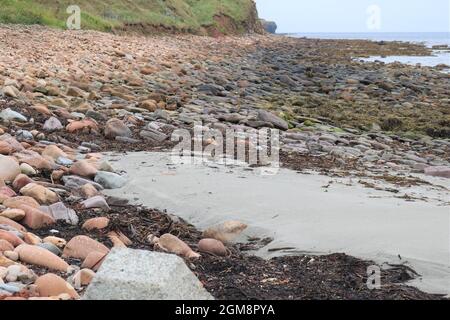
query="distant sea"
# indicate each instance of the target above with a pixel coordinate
(427, 38)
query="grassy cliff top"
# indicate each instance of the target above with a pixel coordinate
(108, 15)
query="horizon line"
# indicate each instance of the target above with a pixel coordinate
(359, 32)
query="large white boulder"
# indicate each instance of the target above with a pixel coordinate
(128, 274)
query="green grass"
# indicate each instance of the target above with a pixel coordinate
(26, 12)
(105, 15)
(204, 10)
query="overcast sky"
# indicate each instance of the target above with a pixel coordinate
(357, 15)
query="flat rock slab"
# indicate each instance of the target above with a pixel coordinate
(77, 182)
(128, 274)
(60, 212)
(151, 134)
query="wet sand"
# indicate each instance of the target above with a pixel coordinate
(302, 211)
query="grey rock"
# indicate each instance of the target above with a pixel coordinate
(419, 167)
(313, 146)
(90, 145)
(353, 151)
(379, 145)
(186, 118)
(344, 152)
(110, 180)
(24, 135)
(11, 230)
(60, 212)
(64, 161)
(42, 90)
(269, 26)
(231, 117)
(370, 158)
(258, 124)
(153, 135)
(95, 202)
(342, 141)
(211, 89)
(362, 148)
(116, 201)
(50, 247)
(134, 109)
(10, 115)
(438, 162)
(285, 79)
(127, 140)
(327, 147)
(387, 156)
(128, 274)
(78, 115)
(407, 162)
(328, 137)
(22, 276)
(95, 115)
(299, 147)
(154, 125)
(161, 114)
(75, 182)
(52, 124)
(415, 158)
(440, 171)
(292, 141)
(297, 136)
(82, 149)
(9, 288)
(266, 116)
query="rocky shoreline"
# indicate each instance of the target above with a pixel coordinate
(68, 96)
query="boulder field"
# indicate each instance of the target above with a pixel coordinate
(66, 97)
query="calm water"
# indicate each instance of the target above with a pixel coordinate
(427, 38)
